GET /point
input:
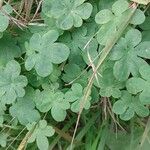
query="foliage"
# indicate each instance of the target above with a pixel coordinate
(108, 85)
(19, 109)
(129, 55)
(9, 49)
(75, 95)
(128, 105)
(68, 13)
(54, 101)
(40, 134)
(41, 55)
(137, 84)
(3, 140)
(114, 19)
(60, 58)
(4, 12)
(11, 82)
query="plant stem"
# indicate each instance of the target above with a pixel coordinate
(25, 139)
(1, 3)
(102, 58)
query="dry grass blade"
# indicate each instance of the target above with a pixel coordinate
(84, 71)
(39, 5)
(17, 13)
(20, 24)
(25, 139)
(65, 135)
(113, 116)
(14, 20)
(27, 8)
(93, 66)
(15, 138)
(146, 132)
(1, 3)
(20, 9)
(103, 56)
(7, 125)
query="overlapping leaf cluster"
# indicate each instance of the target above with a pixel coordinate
(44, 70)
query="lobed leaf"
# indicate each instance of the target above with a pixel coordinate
(4, 12)
(41, 134)
(108, 85)
(75, 95)
(111, 20)
(41, 56)
(11, 82)
(103, 16)
(128, 105)
(24, 109)
(119, 7)
(48, 100)
(141, 85)
(128, 57)
(68, 13)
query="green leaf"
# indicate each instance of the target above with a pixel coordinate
(105, 32)
(8, 49)
(41, 133)
(1, 121)
(108, 85)
(91, 54)
(72, 72)
(146, 24)
(43, 105)
(2, 108)
(145, 35)
(119, 7)
(75, 95)
(143, 50)
(54, 101)
(4, 12)
(41, 55)
(3, 139)
(110, 25)
(59, 53)
(56, 54)
(128, 56)
(7, 8)
(24, 109)
(67, 13)
(146, 27)
(136, 84)
(103, 16)
(119, 107)
(4, 23)
(11, 82)
(105, 4)
(42, 142)
(55, 76)
(128, 114)
(81, 37)
(81, 11)
(138, 17)
(128, 105)
(2, 112)
(137, 37)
